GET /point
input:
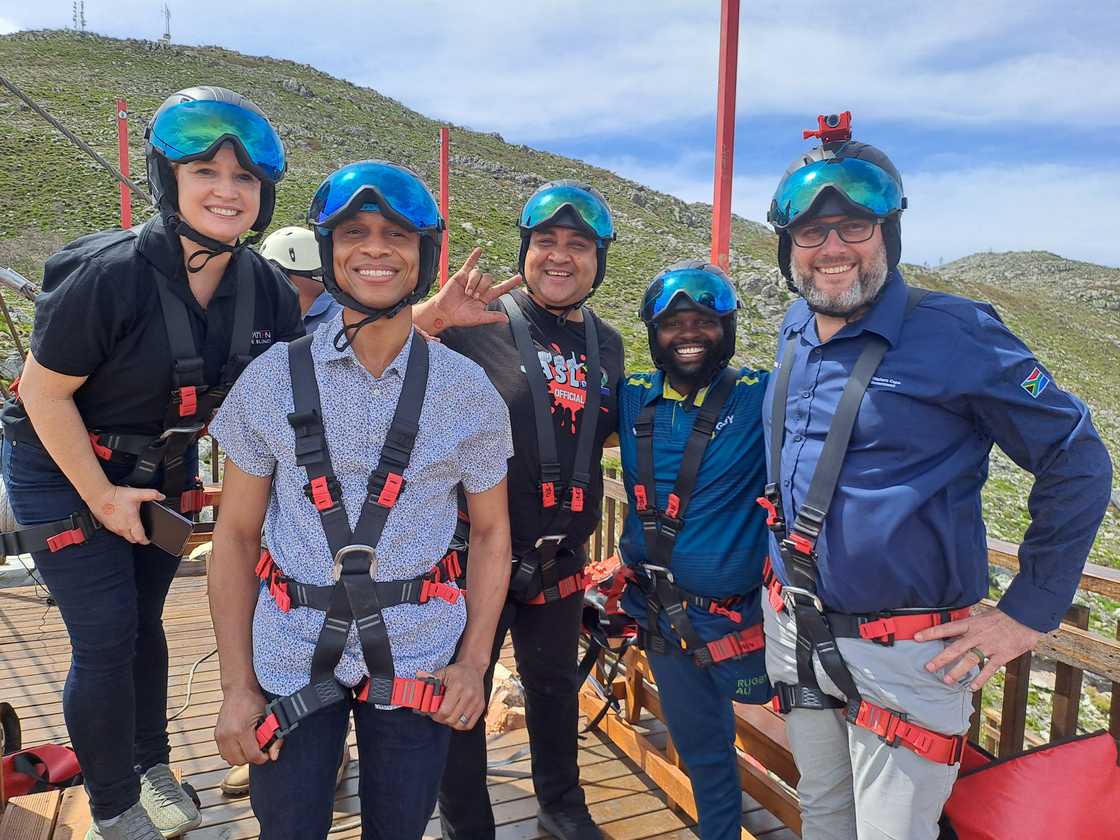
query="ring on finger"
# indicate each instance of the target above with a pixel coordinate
(463, 719)
(980, 655)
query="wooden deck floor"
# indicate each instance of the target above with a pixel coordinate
(34, 658)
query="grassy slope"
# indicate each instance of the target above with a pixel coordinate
(50, 192)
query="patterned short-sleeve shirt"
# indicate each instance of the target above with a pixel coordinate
(464, 437)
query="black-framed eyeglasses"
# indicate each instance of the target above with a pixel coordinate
(852, 231)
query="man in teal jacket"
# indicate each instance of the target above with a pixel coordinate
(693, 463)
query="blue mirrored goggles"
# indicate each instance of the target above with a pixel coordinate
(863, 184)
(194, 130)
(393, 188)
(703, 288)
(591, 209)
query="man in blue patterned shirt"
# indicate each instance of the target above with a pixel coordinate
(378, 232)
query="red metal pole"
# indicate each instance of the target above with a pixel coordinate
(444, 201)
(122, 153)
(725, 132)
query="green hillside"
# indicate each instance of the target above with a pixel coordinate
(50, 192)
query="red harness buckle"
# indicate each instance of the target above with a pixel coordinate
(800, 544)
(188, 400)
(673, 506)
(571, 585)
(392, 489)
(894, 730)
(321, 494)
(577, 499)
(432, 589)
(716, 608)
(451, 565)
(423, 694)
(278, 589)
(640, 501)
(266, 731)
(264, 565)
(735, 645)
(773, 585)
(102, 452)
(773, 520)
(75, 536)
(889, 629)
(192, 501)
(548, 494)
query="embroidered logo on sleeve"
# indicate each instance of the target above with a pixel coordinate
(1036, 382)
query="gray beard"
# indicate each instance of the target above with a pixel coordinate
(870, 282)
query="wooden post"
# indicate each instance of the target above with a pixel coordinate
(1067, 684)
(444, 201)
(1114, 706)
(122, 160)
(611, 513)
(725, 132)
(1013, 719)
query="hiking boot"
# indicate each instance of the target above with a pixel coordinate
(571, 824)
(133, 824)
(170, 807)
(236, 782)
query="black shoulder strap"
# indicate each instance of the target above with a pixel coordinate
(551, 472)
(243, 312)
(187, 365)
(812, 512)
(662, 527)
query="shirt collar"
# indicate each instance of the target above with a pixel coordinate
(884, 318)
(320, 305)
(323, 349)
(659, 388)
(162, 248)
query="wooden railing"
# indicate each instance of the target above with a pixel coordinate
(1073, 649)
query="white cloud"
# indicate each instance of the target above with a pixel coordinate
(583, 67)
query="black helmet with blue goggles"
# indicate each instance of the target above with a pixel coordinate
(380, 187)
(193, 123)
(691, 285)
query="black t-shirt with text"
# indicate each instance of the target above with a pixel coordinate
(99, 316)
(562, 351)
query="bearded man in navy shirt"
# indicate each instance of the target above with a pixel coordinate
(878, 544)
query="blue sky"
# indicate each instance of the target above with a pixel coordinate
(1002, 116)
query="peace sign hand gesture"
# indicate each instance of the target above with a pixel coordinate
(463, 300)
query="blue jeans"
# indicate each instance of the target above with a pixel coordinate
(697, 707)
(400, 759)
(110, 594)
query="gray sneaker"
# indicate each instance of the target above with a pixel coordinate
(170, 808)
(133, 824)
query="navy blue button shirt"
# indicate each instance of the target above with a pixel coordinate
(905, 528)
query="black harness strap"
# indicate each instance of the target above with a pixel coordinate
(660, 528)
(538, 572)
(354, 598)
(797, 547)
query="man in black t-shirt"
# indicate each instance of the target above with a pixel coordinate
(565, 228)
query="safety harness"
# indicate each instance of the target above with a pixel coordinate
(661, 528)
(192, 404)
(355, 597)
(551, 571)
(817, 627)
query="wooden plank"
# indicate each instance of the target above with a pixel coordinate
(1102, 580)
(1067, 684)
(30, 817)
(1013, 724)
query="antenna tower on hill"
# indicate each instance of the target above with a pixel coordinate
(78, 15)
(166, 12)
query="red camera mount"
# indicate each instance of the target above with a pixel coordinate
(832, 128)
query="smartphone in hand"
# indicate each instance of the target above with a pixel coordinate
(165, 528)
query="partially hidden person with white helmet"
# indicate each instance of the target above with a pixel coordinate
(139, 334)
(348, 447)
(880, 419)
(294, 250)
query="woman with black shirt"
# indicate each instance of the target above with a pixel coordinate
(138, 335)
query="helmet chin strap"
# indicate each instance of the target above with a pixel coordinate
(210, 247)
(561, 312)
(345, 337)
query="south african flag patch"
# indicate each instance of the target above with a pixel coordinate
(1036, 383)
